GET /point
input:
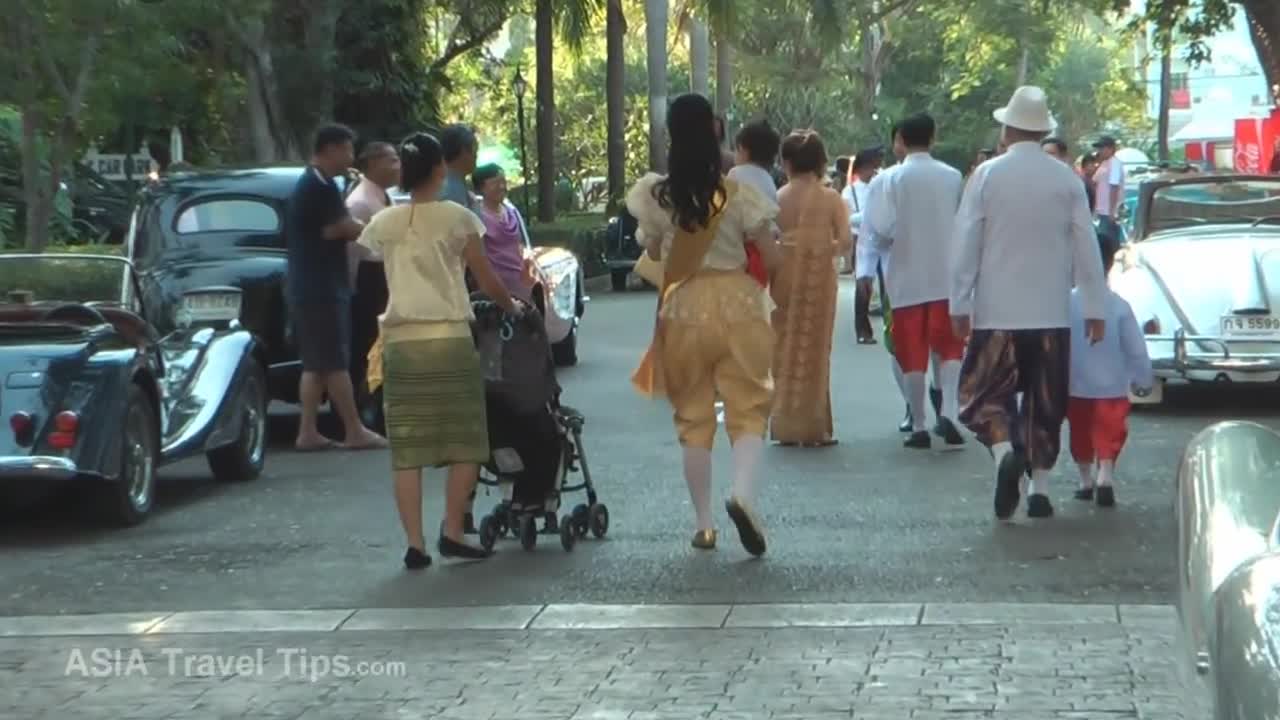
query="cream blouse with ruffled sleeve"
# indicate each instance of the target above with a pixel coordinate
(748, 214)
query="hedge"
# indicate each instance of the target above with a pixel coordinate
(53, 283)
(583, 234)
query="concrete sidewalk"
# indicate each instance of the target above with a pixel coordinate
(1034, 664)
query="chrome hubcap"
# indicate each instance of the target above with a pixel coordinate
(255, 421)
(138, 462)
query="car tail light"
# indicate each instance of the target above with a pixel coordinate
(1151, 327)
(23, 427)
(65, 425)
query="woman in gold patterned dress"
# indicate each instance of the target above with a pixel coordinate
(815, 230)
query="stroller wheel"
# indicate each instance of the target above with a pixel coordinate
(568, 534)
(501, 524)
(488, 531)
(599, 520)
(581, 520)
(528, 532)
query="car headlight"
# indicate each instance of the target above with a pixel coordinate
(210, 305)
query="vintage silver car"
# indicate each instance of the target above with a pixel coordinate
(1202, 273)
(1228, 511)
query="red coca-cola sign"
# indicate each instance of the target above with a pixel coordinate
(1255, 143)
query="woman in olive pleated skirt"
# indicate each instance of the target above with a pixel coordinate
(432, 383)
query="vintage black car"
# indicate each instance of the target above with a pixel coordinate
(96, 392)
(621, 250)
(221, 228)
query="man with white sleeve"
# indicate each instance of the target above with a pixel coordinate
(1024, 236)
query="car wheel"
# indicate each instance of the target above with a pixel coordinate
(244, 459)
(565, 352)
(130, 497)
(619, 280)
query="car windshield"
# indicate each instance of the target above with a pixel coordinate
(1236, 202)
(66, 278)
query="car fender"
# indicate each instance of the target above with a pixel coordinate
(205, 371)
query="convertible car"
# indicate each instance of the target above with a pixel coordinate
(96, 392)
(1202, 273)
(1228, 554)
(558, 290)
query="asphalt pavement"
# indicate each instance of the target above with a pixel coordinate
(862, 522)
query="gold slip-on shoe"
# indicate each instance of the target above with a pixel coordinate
(705, 539)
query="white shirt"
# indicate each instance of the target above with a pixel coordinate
(365, 201)
(913, 219)
(1108, 176)
(1110, 368)
(866, 254)
(757, 177)
(1023, 238)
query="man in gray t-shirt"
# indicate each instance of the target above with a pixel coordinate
(460, 148)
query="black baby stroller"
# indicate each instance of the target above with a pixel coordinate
(535, 442)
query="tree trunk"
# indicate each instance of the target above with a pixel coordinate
(320, 36)
(36, 191)
(269, 131)
(700, 58)
(546, 111)
(724, 83)
(1263, 17)
(1023, 66)
(616, 100)
(1166, 94)
(655, 19)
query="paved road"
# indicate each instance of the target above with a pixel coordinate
(862, 522)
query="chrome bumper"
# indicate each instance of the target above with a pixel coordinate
(35, 467)
(1184, 361)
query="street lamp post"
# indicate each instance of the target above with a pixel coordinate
(522, 86)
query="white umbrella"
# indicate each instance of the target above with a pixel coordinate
(175, 146)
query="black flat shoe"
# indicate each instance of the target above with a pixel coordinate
(415, 559)
(1038, 506)
(749, 531)
(919, 440)
(949, 433)
(1085, 494)
(1008, 475)
(460, 551)
(907, 423)
(1106, 496)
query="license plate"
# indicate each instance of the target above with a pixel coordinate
(1251, 327)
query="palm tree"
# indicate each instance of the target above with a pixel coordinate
(655, 20)
(575, 19)
(616, 100)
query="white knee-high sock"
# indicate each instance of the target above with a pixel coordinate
(916, 399)
(697, 473)
(1086, 474)
(900, 378)
(1106, 471)
(950, 387)
(935, 364)
(1039, 482)
(746, 462)
(999, 450)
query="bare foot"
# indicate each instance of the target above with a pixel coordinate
(366, 439)
(313, 443)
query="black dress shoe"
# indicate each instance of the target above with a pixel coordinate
(1038, 506)
(1084, 493)
(1008, 476)
(935, 397)
(907, 423)
(947, 430)
(919, 440)
(1106, 496)
(460, 551)
(415, 559)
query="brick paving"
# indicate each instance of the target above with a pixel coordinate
(1027, 671)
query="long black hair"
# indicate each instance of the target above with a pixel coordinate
(420, 155)
(693, 188)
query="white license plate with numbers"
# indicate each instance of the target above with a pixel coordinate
(1251, 327)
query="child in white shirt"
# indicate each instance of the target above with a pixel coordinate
(1102, 377)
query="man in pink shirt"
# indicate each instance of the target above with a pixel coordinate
(379, 165)
(1108, 188)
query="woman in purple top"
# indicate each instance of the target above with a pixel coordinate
(503, 237)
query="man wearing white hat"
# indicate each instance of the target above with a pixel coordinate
(1024, 236)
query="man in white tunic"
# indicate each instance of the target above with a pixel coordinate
(914, 224)
(1024, 236)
